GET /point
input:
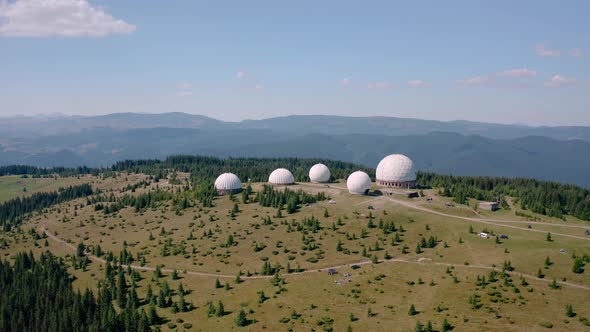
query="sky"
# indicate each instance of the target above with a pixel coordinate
(493, 61)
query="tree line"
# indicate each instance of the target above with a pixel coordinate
(43, 172)
(12, 211)
(547, 198)
(255, 169)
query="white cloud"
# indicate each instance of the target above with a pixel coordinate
(559, 81)
(418, 83)
(184, 90)
(185, 86)
(473, 81)
(63, 18)
(240, 75)
(576, 52)
(184, 93)
(542, 50)
(345, 81)
(259, 87)
(518, 72)
(379, 85)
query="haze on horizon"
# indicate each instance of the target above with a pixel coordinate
(506, 62)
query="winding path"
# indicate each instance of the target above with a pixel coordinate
(43, 228)
(495, 222)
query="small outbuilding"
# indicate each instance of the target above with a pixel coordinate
(490, 206)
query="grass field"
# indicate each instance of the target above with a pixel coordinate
(16, 186)
(441, 282)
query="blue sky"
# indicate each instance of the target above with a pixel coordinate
(493, 61)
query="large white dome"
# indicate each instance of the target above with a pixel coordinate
(358, 183)
(396, 170)
(319, 173)
(281, 176)
(228, 183)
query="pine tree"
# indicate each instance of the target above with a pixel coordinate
(230, 241)
(218, 283)
(578, 265)
(182, 305)
(220, 310)
(210, 309)
(80, 249)
(261, 297)
(121, 289)
(149, 294)
(242, 319)
(419, 327)
(418, 249)
(547, 262)
(446, 326)
(569, 311)
(153, 314)
(161, 299)
(412, 311)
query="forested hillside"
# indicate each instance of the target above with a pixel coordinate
(11, 212)
(547, 198)
(37, 295)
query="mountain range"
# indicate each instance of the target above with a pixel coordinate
(457, 147)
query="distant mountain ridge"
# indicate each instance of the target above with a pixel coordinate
(459, 147)
(295, 124)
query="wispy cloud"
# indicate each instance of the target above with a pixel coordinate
(259, 87)
(184, 93)
(379, 85)
(475, 81)
(517, 72)
(184, 90)
(418, 84)
(61, 18)
(543, 50)
(576, 52)
(559, 81)
(344, 81)
(240, 75)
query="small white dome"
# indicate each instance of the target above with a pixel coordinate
(396, 168)
(358, 183)
(281, 176)
(228, 183)
(319, 173)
